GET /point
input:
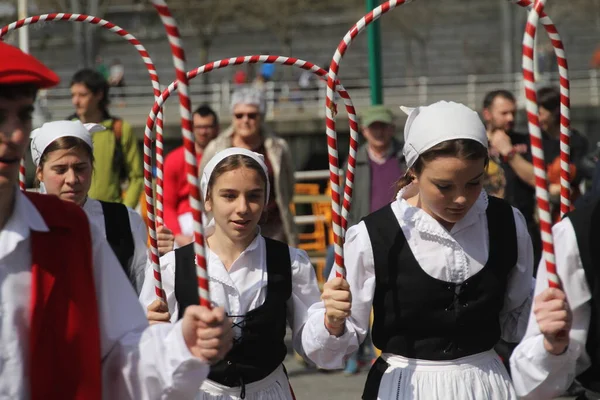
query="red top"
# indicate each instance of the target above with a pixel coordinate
(240, 77)
(553, 171)
(176, 189)
(64, 335)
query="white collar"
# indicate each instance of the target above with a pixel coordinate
(29, 216)
(424, 222)
(380, 160)
(219, 273)
(92, 206)
(24, 218)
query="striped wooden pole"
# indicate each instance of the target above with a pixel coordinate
(537, 149)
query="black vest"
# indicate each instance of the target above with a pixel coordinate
(119, 236)
(418, 316)
(586, 223)
(261, 347)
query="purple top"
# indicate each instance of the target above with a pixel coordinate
(383, 182)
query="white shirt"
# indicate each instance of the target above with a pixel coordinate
(536, 373)
(451, 256)
(94, 211)
(138, 362)
(244, 287)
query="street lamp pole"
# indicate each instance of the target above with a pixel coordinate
(374, 46)
(23, 32)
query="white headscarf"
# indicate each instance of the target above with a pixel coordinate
(42, 137)
(431, 125)
(220, 156)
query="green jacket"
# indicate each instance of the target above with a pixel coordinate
(106, 183)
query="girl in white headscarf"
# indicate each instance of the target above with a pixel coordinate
(63, 154)
(262, 283)
(447, 270)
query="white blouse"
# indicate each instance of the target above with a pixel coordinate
(244, 287)
(138, 362)
(536, 373)
(451, 256)
(94, 211)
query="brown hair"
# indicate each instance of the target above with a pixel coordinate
(65, 143)
(464, 149)
(232, 163)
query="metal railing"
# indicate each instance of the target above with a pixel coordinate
(285, 100)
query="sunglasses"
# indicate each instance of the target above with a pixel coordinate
(249, 115)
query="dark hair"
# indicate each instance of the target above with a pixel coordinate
(465, 149)
(95, 83)
(205, 111)
(549, 98)
(489, 98)
(232, 163)
(12, 92)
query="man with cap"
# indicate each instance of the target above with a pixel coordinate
(72, 327)
(380, 157)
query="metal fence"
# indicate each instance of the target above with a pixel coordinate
(286, 100)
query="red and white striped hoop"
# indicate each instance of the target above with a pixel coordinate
(69, 17)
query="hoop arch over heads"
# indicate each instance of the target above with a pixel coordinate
(537, 150)
(565, 104)
(342, 48)
(69, 17)
(290, 61)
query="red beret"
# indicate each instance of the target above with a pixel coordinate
(18, 67)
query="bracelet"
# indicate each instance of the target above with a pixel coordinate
(511, 154)
(332, 328)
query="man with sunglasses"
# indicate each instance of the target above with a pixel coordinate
(248, 131)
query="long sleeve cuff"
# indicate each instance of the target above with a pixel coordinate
(187, 371)
(540, 374)
(322, 348)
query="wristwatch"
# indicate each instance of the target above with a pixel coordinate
(509, 156)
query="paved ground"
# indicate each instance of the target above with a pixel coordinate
(311, 384)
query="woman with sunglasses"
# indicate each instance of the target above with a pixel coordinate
(249, 132)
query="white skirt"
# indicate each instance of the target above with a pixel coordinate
(274, 387)
(478, 377)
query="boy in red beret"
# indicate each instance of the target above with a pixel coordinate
(70, 323)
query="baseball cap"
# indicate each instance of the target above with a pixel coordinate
(378, 113)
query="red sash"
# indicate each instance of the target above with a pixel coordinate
(64, 338)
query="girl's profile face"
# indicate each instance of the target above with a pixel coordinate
(67, 174)
(237, 200)
(448, 188)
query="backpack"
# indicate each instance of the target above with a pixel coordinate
(116, 126)
(119, 156)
